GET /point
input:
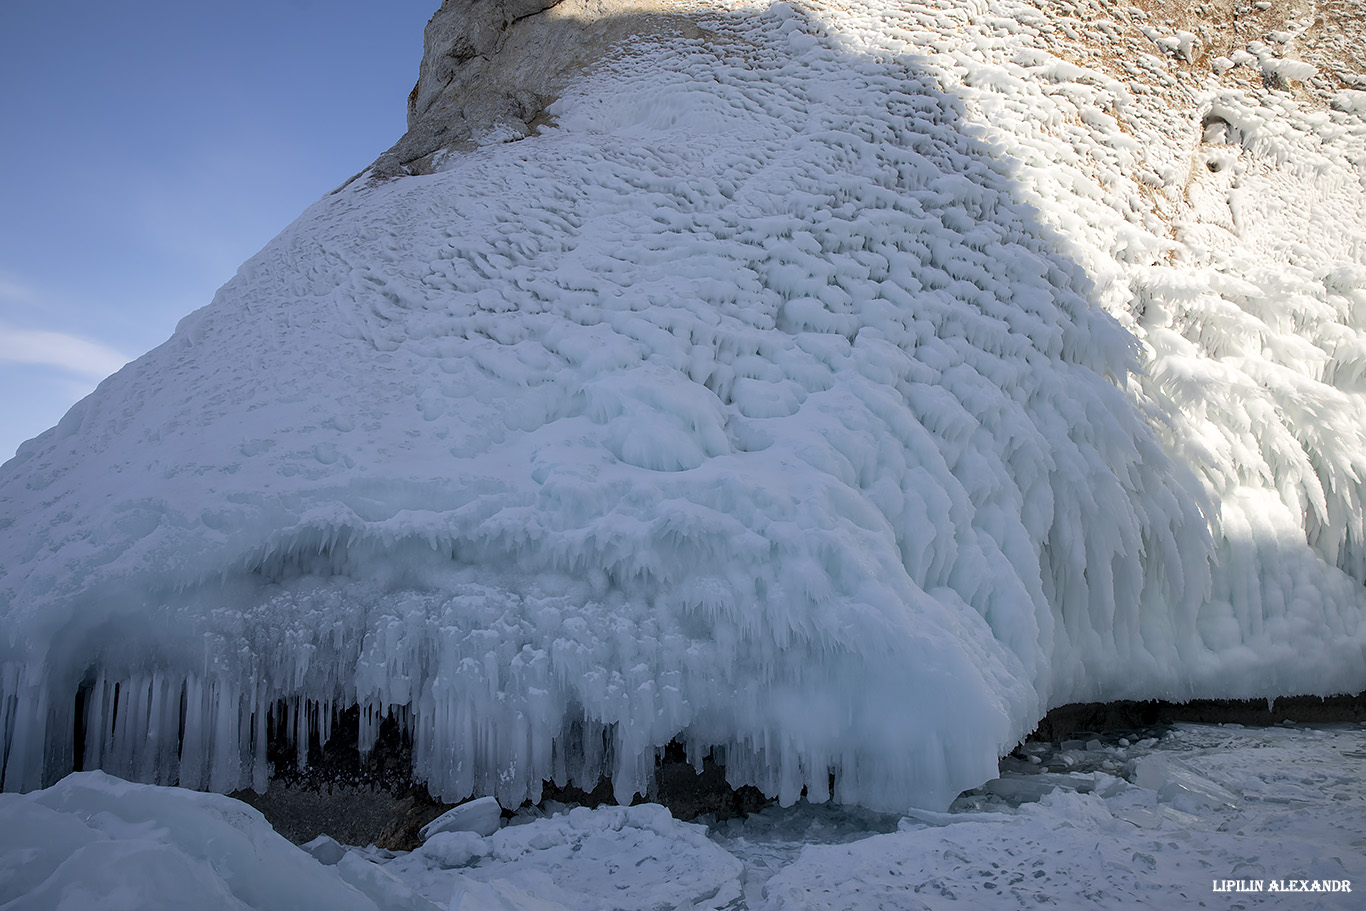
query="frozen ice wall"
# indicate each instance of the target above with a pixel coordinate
(821, 391)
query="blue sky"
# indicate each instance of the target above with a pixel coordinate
(149, 147)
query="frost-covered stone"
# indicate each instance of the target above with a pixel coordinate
(481, 816)
(325, 850)
(452, 849)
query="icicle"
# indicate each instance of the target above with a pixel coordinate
(195, 746)
(225, 758)
(168, 727)
(326, 730)
(298, 712)
(9, 704)
(119, 759)
(368, 730)
(23, 769)
(142, 755)
(246, 758)
(94, 724)
(260, 768)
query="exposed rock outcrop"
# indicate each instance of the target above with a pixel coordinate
(490, 68)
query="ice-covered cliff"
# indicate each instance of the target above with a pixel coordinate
(833, 387)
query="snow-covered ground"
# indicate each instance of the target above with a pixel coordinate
(1156, 823)
(836, 390)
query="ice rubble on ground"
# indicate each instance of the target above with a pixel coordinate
(824, 392)
(1168, 819)
(1104, 822)
(98, 843)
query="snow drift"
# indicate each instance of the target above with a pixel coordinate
(821, 391)
(93, 841)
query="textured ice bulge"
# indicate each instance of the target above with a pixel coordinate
(95, 842)
(815, 392)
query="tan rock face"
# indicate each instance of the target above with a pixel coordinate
(490, 67)
(461, 41)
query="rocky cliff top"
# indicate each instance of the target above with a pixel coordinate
(490, 67)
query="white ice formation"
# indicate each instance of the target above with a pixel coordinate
(480, 816)
(100, 844)
(836, 390)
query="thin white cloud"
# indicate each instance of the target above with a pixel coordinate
(71, 353)
(15, 292)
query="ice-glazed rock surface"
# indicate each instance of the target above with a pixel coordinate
(480, 816)
(836, 390)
